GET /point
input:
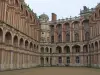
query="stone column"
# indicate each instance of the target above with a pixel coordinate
(2, 59)
(82, 58)
(11, 66)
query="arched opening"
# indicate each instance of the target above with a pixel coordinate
(47, 49)
(42, 49)
(42, 61)
(31, 46)
(8, 38)
(76, 37)
(26, 44)
(85, 48)
(15, 41)
(66, 49)
(1, 35)
(76, 25)
(76, 49)
(21, 43)
(96, 46)
(67, 26)
(58, 49)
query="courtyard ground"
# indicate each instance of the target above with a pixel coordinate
(54, 71)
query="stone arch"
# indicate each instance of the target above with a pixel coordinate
(76, 24)
(21, 43)
(31, 46)
(85, 48)
(66, 49)
(15, 40)
(1, 35)
(96, 46)
(8, 38)
(58, 49)
(76, 49)
(66, 26)
(42, 49)
(47, 49)
(26, 44)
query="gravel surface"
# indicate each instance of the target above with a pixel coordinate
(54, 71)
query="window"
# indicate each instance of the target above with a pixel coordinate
(68, 60)
(52, 39)
(87, 36)
(59, 38)
(76, 37)
(60, 59)
(67, 37)
(77, 59)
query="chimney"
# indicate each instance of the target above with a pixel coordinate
(54, 17)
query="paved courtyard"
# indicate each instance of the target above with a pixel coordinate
(54, 71)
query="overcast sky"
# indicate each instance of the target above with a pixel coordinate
(63, 8)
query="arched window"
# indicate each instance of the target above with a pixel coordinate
(66, 49)
(21, 43)
(76, 49)
(85, 48)
(58, 49)
(8, 38)
(47, 49)
(31, 45)
(15, 41)
(42, 50)
(76, 37)
(26, 44)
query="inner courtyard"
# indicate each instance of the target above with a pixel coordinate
(54, 71)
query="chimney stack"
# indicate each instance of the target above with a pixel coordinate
(54, 17)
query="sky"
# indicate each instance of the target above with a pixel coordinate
(63, 8)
